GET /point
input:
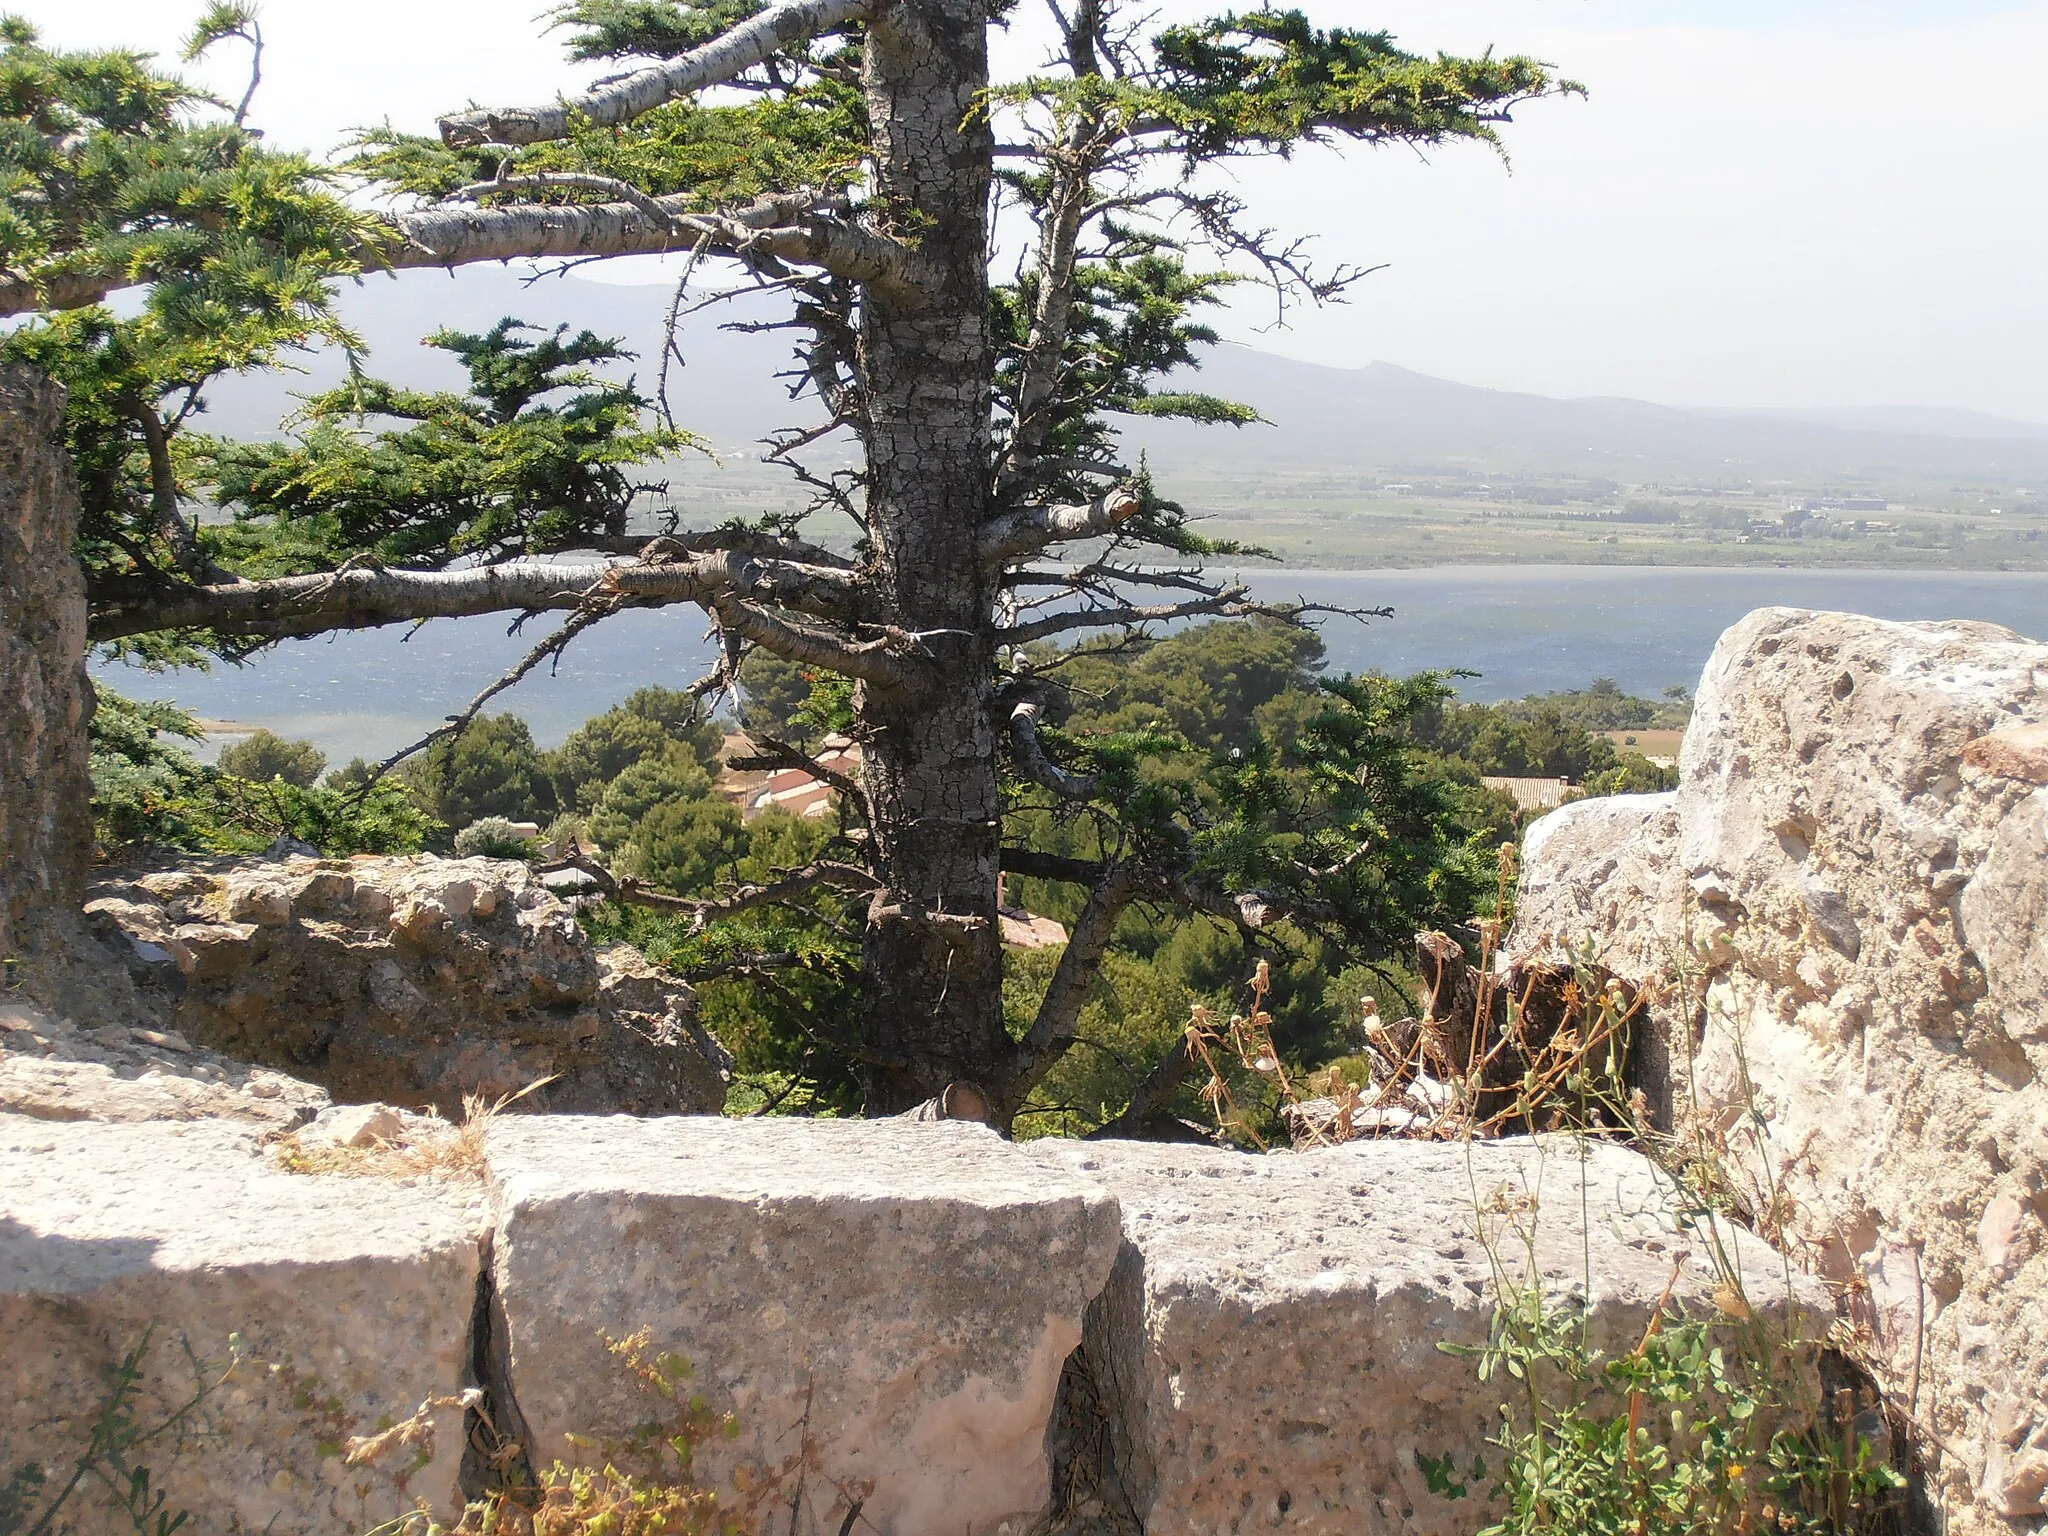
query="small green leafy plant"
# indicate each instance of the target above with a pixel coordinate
(107, 1486)
(1712, 1424)
(1702, 1429)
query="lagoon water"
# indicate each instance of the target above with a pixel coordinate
(1522, 629)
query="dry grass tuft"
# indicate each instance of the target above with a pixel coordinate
(428, 1146)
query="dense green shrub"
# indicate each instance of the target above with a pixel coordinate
(493, 838)
(490, 769)
(149, 790)
(648, 723)
(264, 755)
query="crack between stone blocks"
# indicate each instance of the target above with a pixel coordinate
(1102, 1481)
(497, 1447)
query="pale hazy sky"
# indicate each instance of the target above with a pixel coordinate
(1762, 202)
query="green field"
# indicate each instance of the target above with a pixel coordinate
(1334, 521)
(1342, 520)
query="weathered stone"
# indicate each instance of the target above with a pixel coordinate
(349, 1301)
(900, 1297)
(1589, 868)
(52, 1070)
(46, 699)
(414, 981)
(265, 904)
(1266, 1354)
(2018, 752)
(356, 1125)
(1850, 891)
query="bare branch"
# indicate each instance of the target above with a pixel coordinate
(1029, 755)
(703, 912)
(738, 49)
(1053, 866)
(787, 228)
(742, 541)
(1101, 573)
(1230, 603)
(457, 724)
(845, 877)
(1033, 528)
(770, 753)
(1052, 1032)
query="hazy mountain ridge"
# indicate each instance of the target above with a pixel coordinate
(1377, 420)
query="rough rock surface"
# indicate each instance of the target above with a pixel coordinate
(1849, 884)
(891, 1310)
(349, 1300)
(1265, 1358)
(901, 1297)
(415, 981)
(52, 1069)
(45, 697)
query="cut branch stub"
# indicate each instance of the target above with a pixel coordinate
(1033, 528)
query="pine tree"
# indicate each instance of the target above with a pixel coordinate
(850, 157)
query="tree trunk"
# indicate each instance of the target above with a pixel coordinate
(933, 961)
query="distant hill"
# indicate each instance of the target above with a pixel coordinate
(1378, 420)
(1920, 420)
(1403, 423)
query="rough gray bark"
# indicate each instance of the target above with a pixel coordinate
(45, 696)
(933, 960)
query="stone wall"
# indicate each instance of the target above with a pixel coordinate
(45, 697)
(1848, 890)
(960, 1335)
(419, 981)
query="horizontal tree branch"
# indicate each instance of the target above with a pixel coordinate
(450, 236)
(1053, 866)
(725, 57)
(787, 228)
(744, 541)
(366, 597)
(1034, 528)
(702, 911)
(845, 877)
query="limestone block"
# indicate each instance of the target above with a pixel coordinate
(356, 1125)
(45, 697)
(1266, 1354)
(1855, 889)
(349, 1300)
(900, 1297)
(1588, 868)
